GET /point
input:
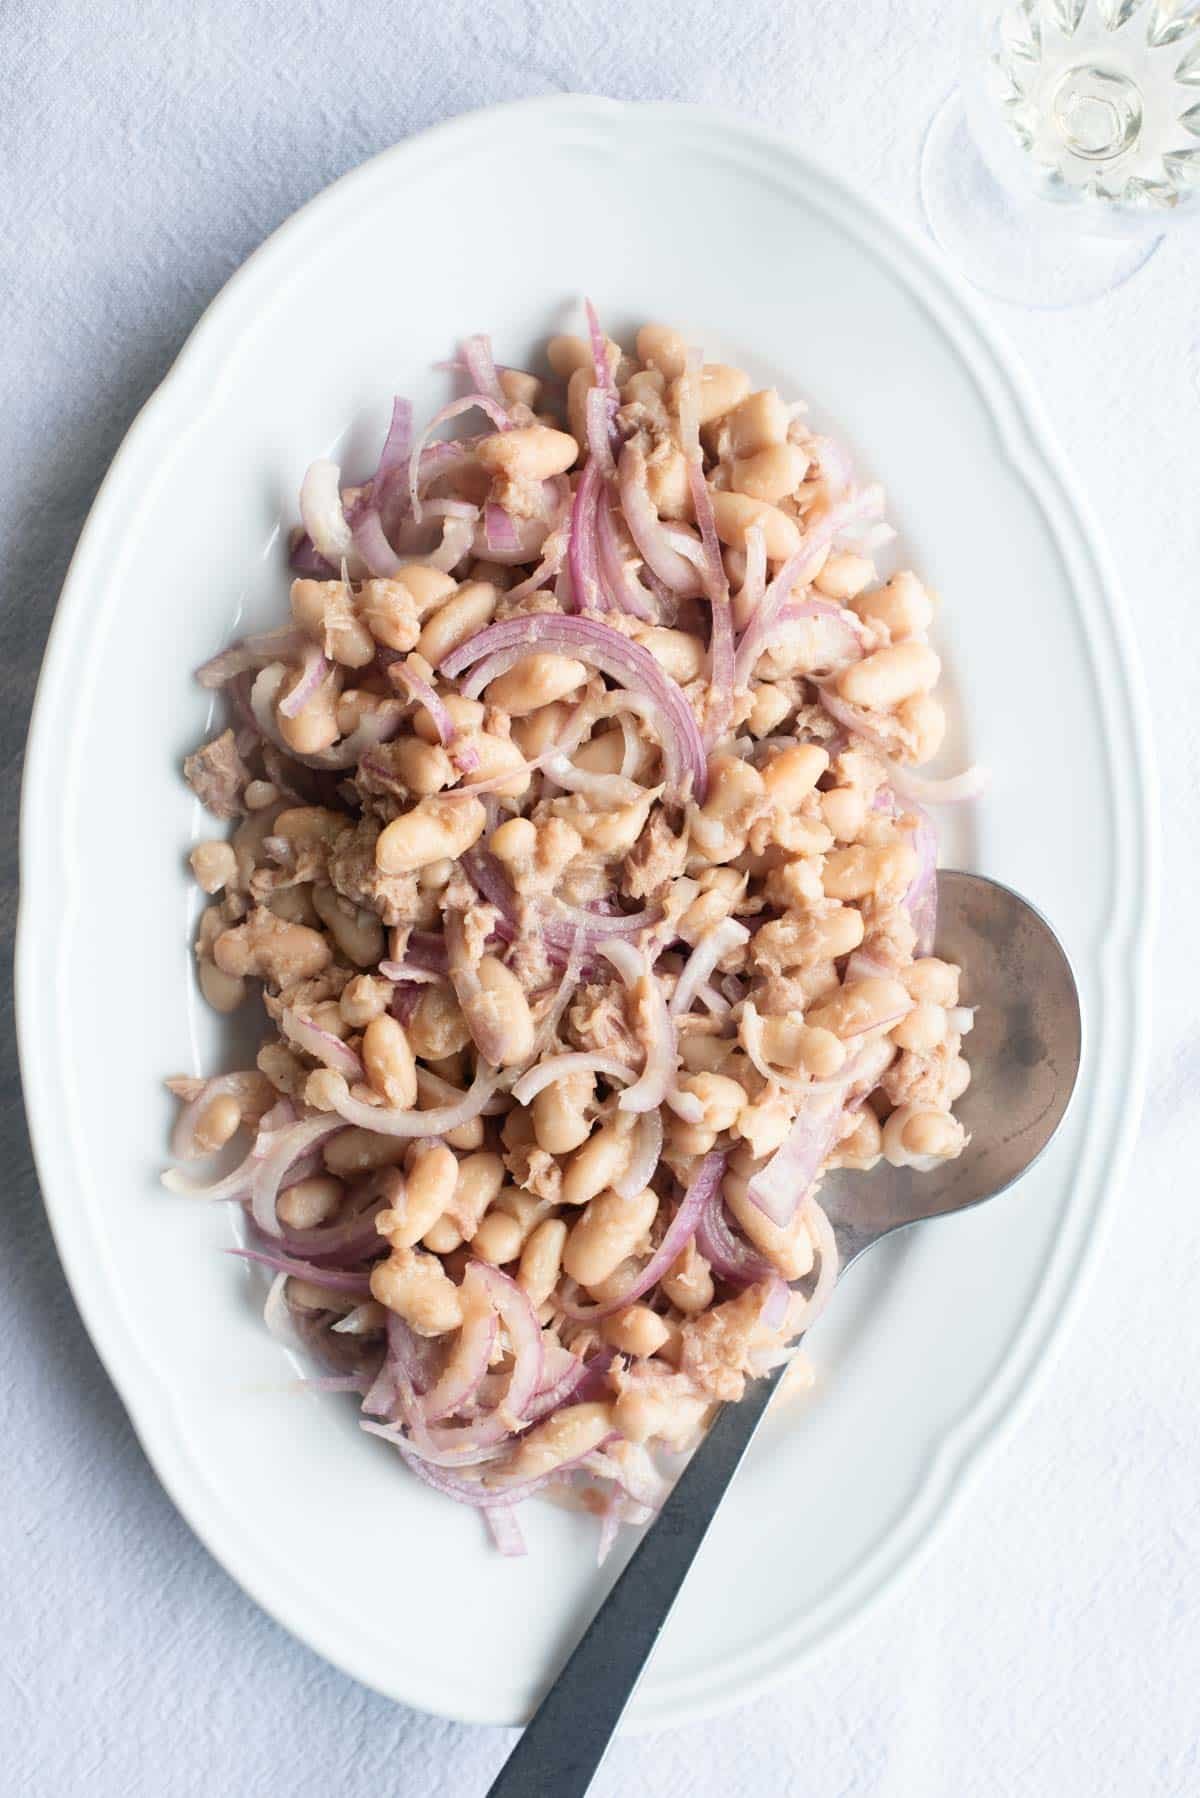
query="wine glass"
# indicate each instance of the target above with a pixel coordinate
(1071, 144)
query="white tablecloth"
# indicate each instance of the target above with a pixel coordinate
(1051, 1644)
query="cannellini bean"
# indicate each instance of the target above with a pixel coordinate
(497, 756)
(498, 1239)
(389, 1062)
(478, 1184)
(844, 575)
(519, 388)
(788, 1248)
(362, 999)
(419, 1197)
(316, 727)
(415, 1287)
(466, 715)
(610, 1230)
(217, 1123)
(922, 1031)
(684, 1139)
(661, 347)
(603, 753)
(424, 768)
(434, 1090)
(215, 866)
(770, 706)
(913, 1130)
(566, 354)
(308, 824)
(645, 387)
(679, 653)
(635, 1331)
(732, 785)
(528, 453)
(860, 869)
(443, 1237)
(720, 1098)
(309, 1202)
(719, 390)
(267, 948)
(760, 421)
(567, 1435)
(295, 904)
(861, 1005)
(735, 513)
(357, 932)
(864, 1145)
(902, 606)
(456, 619)
(536, 680)
(436, 1026)
(923, 717)
(559, 1113)
(509, 1019)
(932, 981)
(788, 1043)
(514, 841)
(688, 1282)
(597, 1163)
(790, 775)
(958, 1078)
(540, 729)
(883, 679)
(843, 809)
(541, 1261)
(668, 484)
(309, 600)
(260, 794)
(432, 829)
(770, 474)
(354, 1151)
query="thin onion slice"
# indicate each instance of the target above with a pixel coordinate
(646, 528)
(437, 1121)
(287, 1146)
(322, 1045)
(644, 1156)
(679, 1233)
(729, 934)
(599, 646)
(336, 1279)
(470, 1356)
(561, 1067)
(633, 965)
(922, 789)
(325, 518)
(728, 1255)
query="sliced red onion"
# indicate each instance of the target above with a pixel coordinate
(601, 647)
(703, 959)
(793, 574)
(646, 528)
(618, 578)
(499, 531)
(861, 966)
(419, 689)
(633, 965)
(750, 1035)
(424, 949)
(582, 552)
(505, 1531)
(251, 652)
(336, 1279)
(776, 1298)
(922, 789)
(833, 460)
(714, 1001)
(183, 1136)
(561, 1067)
(679, 1233)
(404, 973)
(477, 355)
(853, 720)
(613, 790)
(374, 546)
(458, 539)
(350, 1238)
(236, 1184)
(599, 413)
(437, 1121)
(524, 1337)
(755, 583)
(469, 1357)
(377, 727)
(821, 1231)
(720, 650)
(322, 1045)
(644, 1157)
(779, 1188)
(313, 669)
(554, 551)
(601, 372)
(304, 561)
(729, 1255)
(325, 518)
(287, 1146)
(497, 413)
(921, 899)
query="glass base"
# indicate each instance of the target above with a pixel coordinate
(1035, 261)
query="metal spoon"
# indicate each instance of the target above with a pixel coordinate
(1024, 1053)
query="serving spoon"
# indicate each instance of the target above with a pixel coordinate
(1024, 1053)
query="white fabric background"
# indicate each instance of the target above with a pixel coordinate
(1051, 1645)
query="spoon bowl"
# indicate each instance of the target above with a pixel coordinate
(1024, 1053)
